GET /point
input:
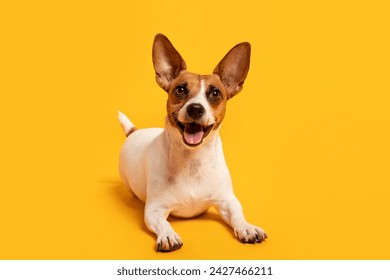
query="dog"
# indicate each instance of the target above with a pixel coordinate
(181, 170)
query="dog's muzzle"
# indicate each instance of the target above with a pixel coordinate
(194, 132)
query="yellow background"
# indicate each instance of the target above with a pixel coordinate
(307, 141)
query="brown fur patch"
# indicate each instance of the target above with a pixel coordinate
(131, 131)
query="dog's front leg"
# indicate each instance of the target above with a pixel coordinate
(231, 212)
(156, 220)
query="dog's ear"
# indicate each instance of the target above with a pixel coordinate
(234, 67)
(167, 61)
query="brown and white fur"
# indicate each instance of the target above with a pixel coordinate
(181, 170)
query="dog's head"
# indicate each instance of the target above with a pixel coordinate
(197, 103)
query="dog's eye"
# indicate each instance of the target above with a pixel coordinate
(181, 91)
(215, 95)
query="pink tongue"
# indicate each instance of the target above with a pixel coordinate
(193, 138)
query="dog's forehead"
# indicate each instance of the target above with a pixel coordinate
(190, 80)
(213, 80)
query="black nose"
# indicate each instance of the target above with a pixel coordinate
(195, 110)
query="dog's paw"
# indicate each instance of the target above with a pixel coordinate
(169, 242)
(248, 233)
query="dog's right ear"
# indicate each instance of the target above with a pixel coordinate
(167, 61)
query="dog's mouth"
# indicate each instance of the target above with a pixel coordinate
(193, 133)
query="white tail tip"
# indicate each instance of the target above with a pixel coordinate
(127, 126)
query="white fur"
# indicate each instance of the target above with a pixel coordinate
(173, 179)
(126, 124)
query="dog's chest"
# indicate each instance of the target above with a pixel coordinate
(194, 179)
(194, 187)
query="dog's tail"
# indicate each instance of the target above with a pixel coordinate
(127, 126)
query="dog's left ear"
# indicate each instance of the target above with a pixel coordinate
(167, 61)
(234, 67)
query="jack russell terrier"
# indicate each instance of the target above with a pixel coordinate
(181, 170)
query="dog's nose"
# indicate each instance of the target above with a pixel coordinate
(195, 110)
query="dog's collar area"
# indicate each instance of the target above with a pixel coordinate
(193, 133)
